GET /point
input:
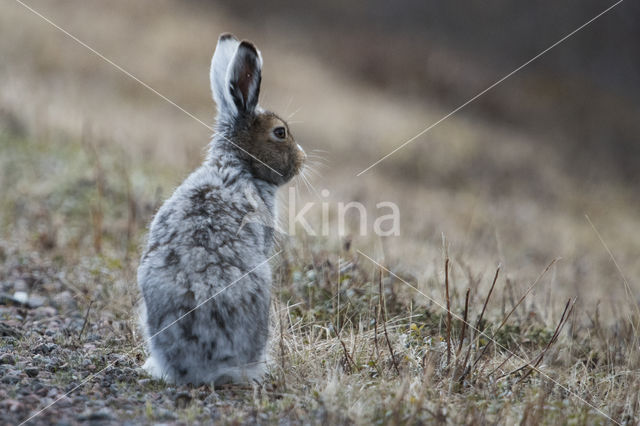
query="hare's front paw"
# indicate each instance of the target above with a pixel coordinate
(152, 367)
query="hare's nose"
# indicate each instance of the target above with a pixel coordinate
(304, 154)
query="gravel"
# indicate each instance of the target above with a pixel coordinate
(45, 359)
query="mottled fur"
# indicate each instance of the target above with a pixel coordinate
(196, 247)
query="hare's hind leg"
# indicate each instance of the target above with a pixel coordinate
(248, 374)
(154, 369)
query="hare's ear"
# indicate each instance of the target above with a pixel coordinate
(244, 75)
(226, 48)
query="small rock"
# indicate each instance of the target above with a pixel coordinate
(64, 401)
(43, 311)
(100, 415)
(164, 414)
(22, 297)
(32, 371)
(13, 405)
(7, 359)
(64, 300)
(93, 337)
(10, 379)
(20, 285)
(36, 301)
(9, 300)
(44, 348)
(182, 400)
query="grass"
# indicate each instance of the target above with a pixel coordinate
(86, 158)
(351, 341)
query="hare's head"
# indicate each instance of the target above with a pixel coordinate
(259, 137)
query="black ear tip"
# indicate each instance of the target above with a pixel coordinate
(226, 36)
(247, 45)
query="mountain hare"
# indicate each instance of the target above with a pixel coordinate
(204, 275)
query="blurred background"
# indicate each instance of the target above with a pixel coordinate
(87, 153)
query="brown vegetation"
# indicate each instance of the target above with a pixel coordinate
(410, 329)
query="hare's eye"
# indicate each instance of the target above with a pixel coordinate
(280, 132)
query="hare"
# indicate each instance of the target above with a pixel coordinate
(204, 274)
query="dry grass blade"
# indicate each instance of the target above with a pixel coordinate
(526, 293)
(86, 320)
(463, 365)
(477, 328)
(349, 362)
(486, 301)
(566, 313)
(446, 286)
(282, 351)
(383, 311)
(512, 310)
(511, 354)
(563, 320)
(464, 322)
(375, 331)
(627, 287)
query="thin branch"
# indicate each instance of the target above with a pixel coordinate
(86, 320)
(383, 310)
(526, 293)
(486, 301)
(446, 286)
(568, 309)
(464, 322)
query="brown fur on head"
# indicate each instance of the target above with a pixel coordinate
(268, 139)
(262, 138)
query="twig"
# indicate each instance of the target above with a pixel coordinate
(526, 293)
(348, 359)
(383, 310)
(462, 366)
(375, 331)
(514, 308)
(464, 322)
(486, 301)
(501, 364)
(282, 351)
(446, 286)
(568, 309)
(556, 334)
(86, 320)
(627, 287)
(468, 368)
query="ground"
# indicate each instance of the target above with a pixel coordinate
(361, 333)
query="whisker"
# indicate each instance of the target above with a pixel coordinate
(313, 165)
(316, 158)
(313, 169)
(293, 113)
(304, 180)
(309, 183)
(288, 104)
(314, 173)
